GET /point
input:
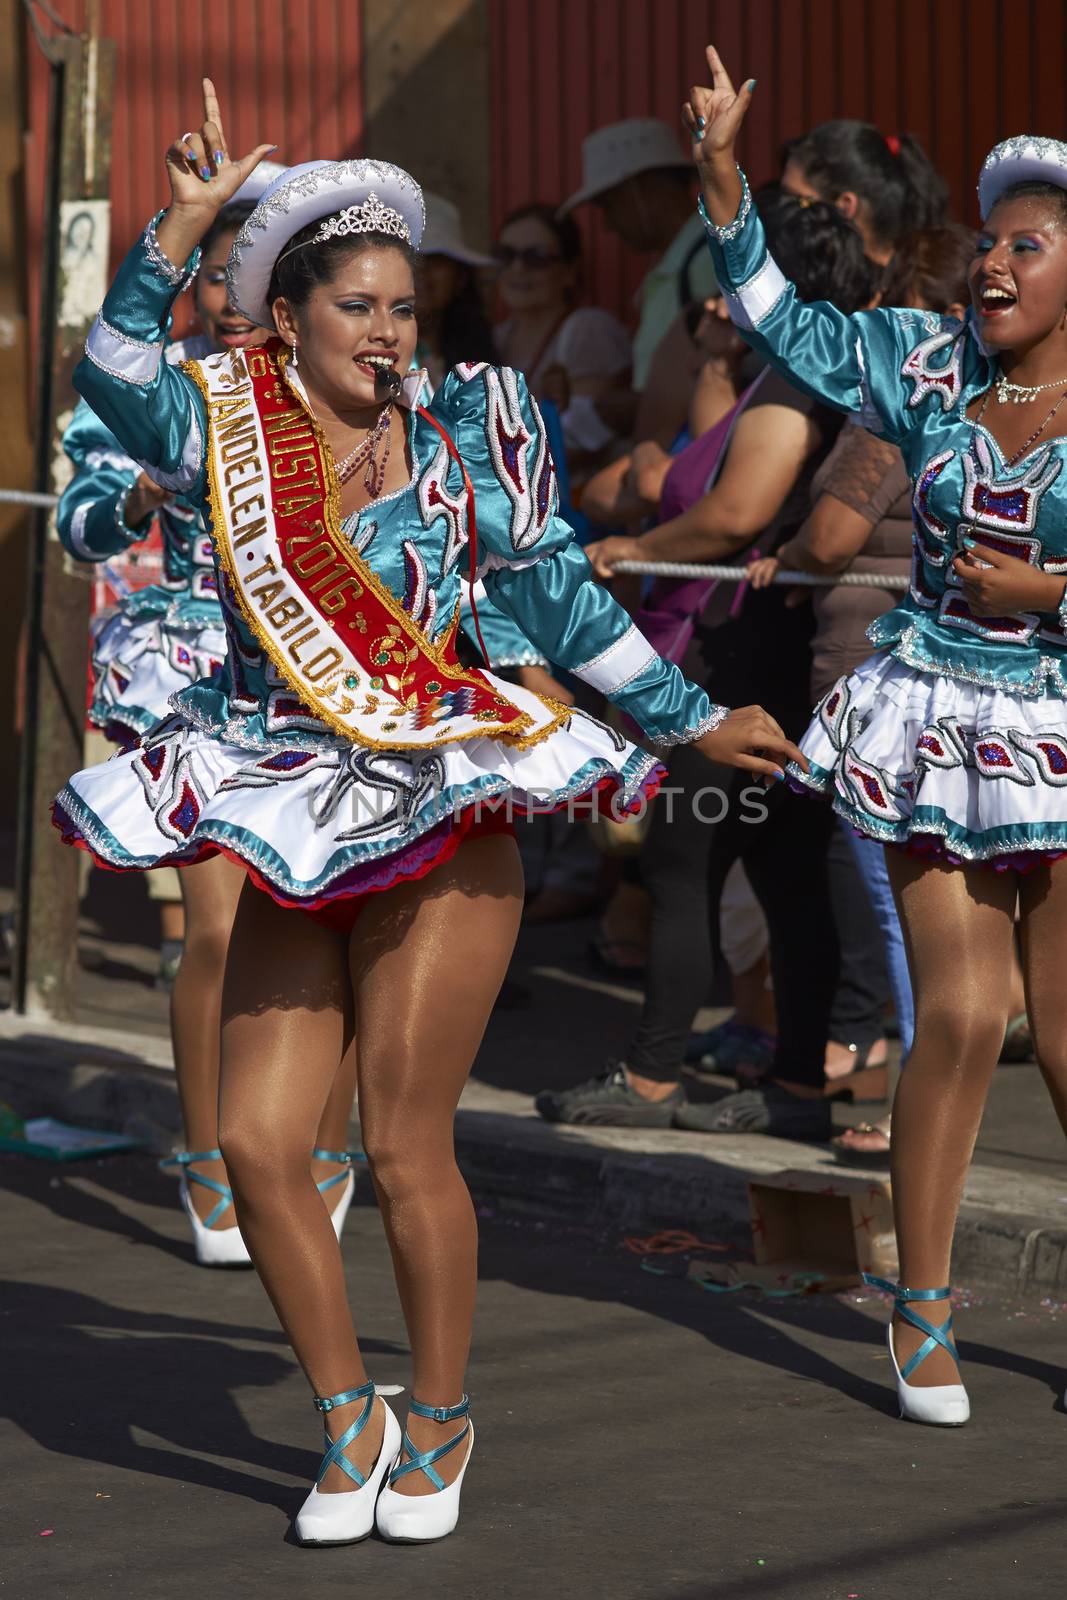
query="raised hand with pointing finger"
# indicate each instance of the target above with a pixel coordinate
(714, 117)
(204, 177)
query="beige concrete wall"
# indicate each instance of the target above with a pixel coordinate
(426, 87)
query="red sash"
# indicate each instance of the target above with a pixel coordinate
(332, 628)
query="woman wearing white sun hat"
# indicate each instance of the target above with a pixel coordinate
(638, 177)
(949, 745)
(344, 756)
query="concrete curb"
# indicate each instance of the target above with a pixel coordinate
(1012, 1232)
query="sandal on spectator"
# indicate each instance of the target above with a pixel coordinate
(850, 1153)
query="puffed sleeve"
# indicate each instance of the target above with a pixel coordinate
(91, 519)
(534, 570)
(151, 407)
(878, 364)
(504, 640)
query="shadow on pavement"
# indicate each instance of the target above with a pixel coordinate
(742, 1324)
(82, 1391)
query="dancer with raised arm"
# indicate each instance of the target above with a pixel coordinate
(950, 744)
(344, 757)
(160, 640)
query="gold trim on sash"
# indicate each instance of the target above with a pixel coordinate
(397, 646)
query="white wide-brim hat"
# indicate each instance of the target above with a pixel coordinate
(444, 233)
(621, 150)
(310, 192)
(1025, 159)
(258, 182)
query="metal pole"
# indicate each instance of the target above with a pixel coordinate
(74, 277)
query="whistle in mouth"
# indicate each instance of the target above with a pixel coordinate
(386, 383)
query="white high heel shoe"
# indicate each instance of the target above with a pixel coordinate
(943, 1405)
(347, 1517)
(417, 1519)
(347, 1159)
(215, 1247)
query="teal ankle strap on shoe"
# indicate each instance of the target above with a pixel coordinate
(335, 1448)
(183, 1159)
(425, 1461)
(934, 1336)
(346, 1158)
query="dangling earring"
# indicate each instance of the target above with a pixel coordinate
(296, 358)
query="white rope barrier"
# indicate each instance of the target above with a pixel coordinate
(687, 569)
(23, 497)
(656, 569)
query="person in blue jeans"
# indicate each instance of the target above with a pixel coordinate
(861, 521)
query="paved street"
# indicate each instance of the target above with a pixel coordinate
(638, 1436)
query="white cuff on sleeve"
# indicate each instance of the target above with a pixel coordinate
(619, 664)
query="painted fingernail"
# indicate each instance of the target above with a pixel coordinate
(971, 543)
(701, 124)
(751, 85)
(205, 173)
(190, 153)
(219, 158)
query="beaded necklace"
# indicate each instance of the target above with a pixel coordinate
(366, 452)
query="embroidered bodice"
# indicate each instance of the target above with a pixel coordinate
(414, 540)
(91, 518)
(909, 376)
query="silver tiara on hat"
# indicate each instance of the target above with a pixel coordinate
(1028, 158)
(372, 216)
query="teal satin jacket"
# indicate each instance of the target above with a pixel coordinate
(910, 376)
(413, 539)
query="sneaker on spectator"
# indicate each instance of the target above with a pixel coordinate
(731, 1044)
(608, 1099)
(170, 959)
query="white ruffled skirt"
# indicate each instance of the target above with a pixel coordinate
(138, 663)
(954, 768)
(316, 825)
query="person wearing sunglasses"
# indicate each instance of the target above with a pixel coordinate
(571, 354)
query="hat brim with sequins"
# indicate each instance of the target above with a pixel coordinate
(311, 192)
(1025, 159)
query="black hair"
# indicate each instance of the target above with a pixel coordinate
(1034, 189)
(900, 188)
(298, 271)
(228, 220)
(464, 332)
(930, 268)
(818, 249)
(564, 230)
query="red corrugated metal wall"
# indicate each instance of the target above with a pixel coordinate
(960, 74)
(287, 71)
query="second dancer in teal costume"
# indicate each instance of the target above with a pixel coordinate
(161, 639)
(950, 743)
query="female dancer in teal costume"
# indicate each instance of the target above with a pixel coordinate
(355, 797)
(950, 744)
(160, 640)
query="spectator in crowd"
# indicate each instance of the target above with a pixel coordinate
(572, 355)
(635, 172)
(884, 183)
(759, 498)
(453, 325)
